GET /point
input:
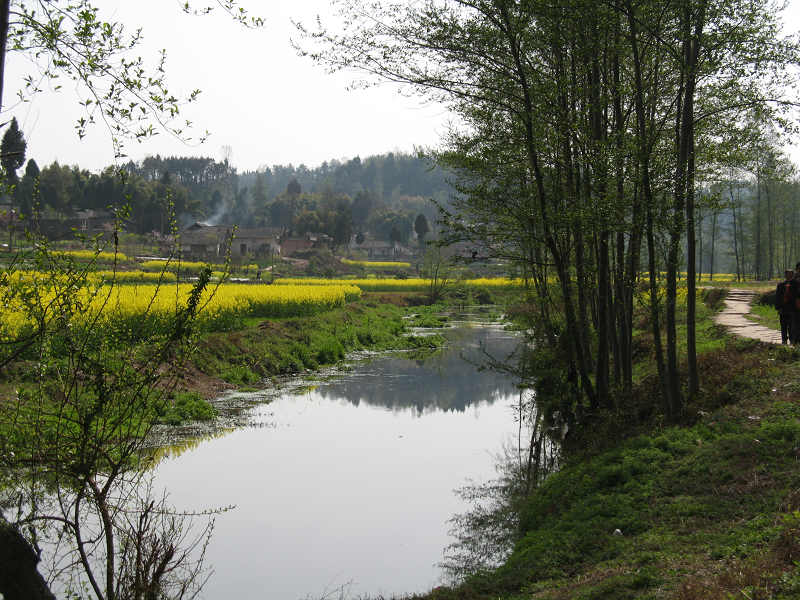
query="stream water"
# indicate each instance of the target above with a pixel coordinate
(344, 489)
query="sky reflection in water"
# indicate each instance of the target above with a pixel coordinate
(353, 482)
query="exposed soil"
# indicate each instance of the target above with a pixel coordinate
(192, 379)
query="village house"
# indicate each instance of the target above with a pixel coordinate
(290, 245)
(94, 221)
(204, 242)
(381, 250)
(57, 226)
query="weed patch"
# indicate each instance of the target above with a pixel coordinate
(182, 407)
(289, 346)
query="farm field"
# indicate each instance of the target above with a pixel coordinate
(398, 284)
(136, 311)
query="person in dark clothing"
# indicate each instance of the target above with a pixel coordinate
(794, 286)
(784, 303)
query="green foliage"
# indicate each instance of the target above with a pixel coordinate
(81, 421)
(239, 375)
(429, 319)
(185, 406)
(293, 345)
(12, 151)
(714, 298)
(764, 313)
(665, 492)
(421, 227)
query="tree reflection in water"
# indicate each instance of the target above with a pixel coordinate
(448, 377)
(485, 534)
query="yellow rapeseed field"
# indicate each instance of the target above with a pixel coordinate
(186, 265)
(172, 265)
(136, 311)
(92, 255)
(133, 277)
(399, 285)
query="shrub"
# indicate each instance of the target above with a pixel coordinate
(185, 406)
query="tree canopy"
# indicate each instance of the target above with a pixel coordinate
(584, 130)
(12, 150)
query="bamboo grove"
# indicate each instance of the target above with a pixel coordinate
(584, 131)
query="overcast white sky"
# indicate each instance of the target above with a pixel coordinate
(269, 105)
(258, 97)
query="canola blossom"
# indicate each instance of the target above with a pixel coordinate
(92, 255)
(133, 277)
(401, 285)
(186, 265)
(138, 311)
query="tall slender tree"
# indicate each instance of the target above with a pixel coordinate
(12, 151)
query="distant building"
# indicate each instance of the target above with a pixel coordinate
(290, 245)
(87, 222)
(257, 242)
(202, 241)
(379, 249)
(94, 221)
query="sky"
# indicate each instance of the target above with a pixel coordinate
(259, 98)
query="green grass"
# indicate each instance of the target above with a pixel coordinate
(762, 311)
(286, 346)
(709, 336)
(183, 407)
(708, 510)
(428, 319)
(694, 505)
(264, 348)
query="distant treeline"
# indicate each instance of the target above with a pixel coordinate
(375, 195)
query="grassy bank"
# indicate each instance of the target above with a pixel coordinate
(288, 346)
(708, 509)
(252, 350)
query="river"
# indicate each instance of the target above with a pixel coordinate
(344, 488)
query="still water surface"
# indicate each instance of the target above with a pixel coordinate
(351, 483)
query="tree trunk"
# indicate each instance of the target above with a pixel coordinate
(691, 285)
(684, 200)
(5, 8)
(600, 172)
(700, 219)
(620, 328)
(574, 345)
(713, 243)
(770, 234)
(655, 312)
(735, 239)
(675, 232)
(757, 258)
(643, 159)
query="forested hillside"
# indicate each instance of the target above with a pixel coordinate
(378, 194)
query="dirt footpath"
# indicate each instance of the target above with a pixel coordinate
(737, 305)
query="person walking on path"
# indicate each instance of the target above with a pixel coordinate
(785, 305)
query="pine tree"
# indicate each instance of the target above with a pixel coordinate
(12, 151)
